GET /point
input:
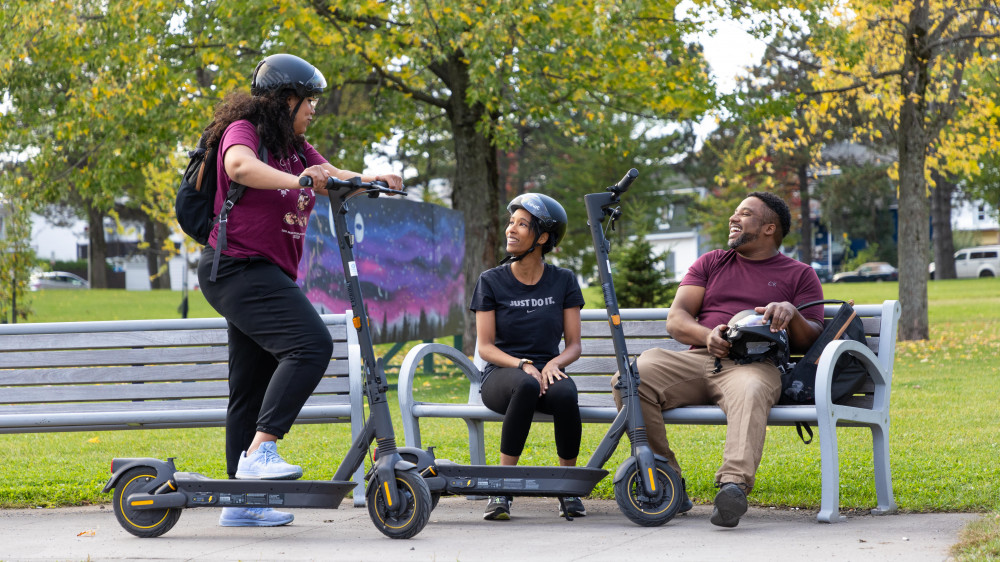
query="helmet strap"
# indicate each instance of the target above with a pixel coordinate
(295, 111)
(509, 258)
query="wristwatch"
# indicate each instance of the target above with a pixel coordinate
(522, 362)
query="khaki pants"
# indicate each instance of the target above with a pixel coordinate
(670, 379)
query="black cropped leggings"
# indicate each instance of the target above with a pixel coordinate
(279, 347)
(514, 393)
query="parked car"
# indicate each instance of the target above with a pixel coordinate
(981, 261)
(57, 280)
(871, 271)
(822, 271)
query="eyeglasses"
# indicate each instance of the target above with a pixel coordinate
(312, 102)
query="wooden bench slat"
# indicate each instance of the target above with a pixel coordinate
(108, 340)
(136, 357)
(141, 391)
(145, 373)
(150, 405)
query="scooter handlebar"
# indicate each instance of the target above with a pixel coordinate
(622, 186)
(333, 183)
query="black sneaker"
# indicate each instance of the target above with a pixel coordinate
(730, 505)
(498, 509)
(572, 505)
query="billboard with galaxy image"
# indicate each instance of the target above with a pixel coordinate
(409, 257)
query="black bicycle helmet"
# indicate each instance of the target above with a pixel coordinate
(547, 211)
(283, 71)
(752, 340)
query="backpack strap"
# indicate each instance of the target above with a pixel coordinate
(236, 191)
(804, 426)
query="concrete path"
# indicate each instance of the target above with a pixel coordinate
(457, 532)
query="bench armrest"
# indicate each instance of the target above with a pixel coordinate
(408, 370)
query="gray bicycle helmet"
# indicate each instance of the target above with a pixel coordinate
(283, 71)
(547, 211)
(752, 340)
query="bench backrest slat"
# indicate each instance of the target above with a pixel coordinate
(125, 356)
(108, 340)
(146, 373)
(140, 391)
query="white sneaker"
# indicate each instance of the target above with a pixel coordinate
(266, 464)
(253, 517)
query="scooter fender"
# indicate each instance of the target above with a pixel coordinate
(423, 459)
(164, 470)
(401, 465)
(628, 466)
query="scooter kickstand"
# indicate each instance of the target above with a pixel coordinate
(562, 507)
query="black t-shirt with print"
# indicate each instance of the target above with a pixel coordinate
(529, 318)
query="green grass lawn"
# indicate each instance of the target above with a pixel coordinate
(943, 438)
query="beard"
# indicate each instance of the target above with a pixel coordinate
(743, 238)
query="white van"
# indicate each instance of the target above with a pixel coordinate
(981, 261)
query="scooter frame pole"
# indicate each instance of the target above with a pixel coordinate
(379, 422)
(629, 419)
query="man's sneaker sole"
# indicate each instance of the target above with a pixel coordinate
(730, 505)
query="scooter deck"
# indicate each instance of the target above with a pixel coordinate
(202, 491)
(519, 480)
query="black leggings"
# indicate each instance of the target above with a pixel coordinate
(279, 347)
(514, 393)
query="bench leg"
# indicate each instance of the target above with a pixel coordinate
(883, 473)
(829, 511)
(477, 441)
(411, 430)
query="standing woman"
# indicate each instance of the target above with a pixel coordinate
(523, 309)
(279, 347)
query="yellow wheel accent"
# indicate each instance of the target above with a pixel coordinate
(125, 513)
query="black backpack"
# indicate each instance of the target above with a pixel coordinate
(798, 382)
(195, 204)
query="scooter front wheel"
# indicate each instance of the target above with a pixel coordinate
(645, 510)
(144, 523)
(408, 519)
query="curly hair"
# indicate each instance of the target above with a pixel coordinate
(269, 113)
(782, 216)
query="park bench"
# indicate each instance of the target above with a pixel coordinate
(149, 374)
(645, 329)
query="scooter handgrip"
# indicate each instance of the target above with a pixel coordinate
(627, 180)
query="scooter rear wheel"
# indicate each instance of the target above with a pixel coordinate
(645, 510)
(143, 523)
(412, 490)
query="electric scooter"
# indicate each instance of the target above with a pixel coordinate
(149, 494)
(647, 490)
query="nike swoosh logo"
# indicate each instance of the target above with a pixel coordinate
(530, 311)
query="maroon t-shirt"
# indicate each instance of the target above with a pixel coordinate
(733, 284)
(270, 223)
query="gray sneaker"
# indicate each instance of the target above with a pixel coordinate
(254, 517)
(266, 464)
(498, 509)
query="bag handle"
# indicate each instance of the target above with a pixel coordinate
(825, 301)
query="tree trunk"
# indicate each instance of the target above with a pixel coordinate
(475, 189)
(805, 226)
(154, 236)
(914, 207)
(944, 244)
(98, 250)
